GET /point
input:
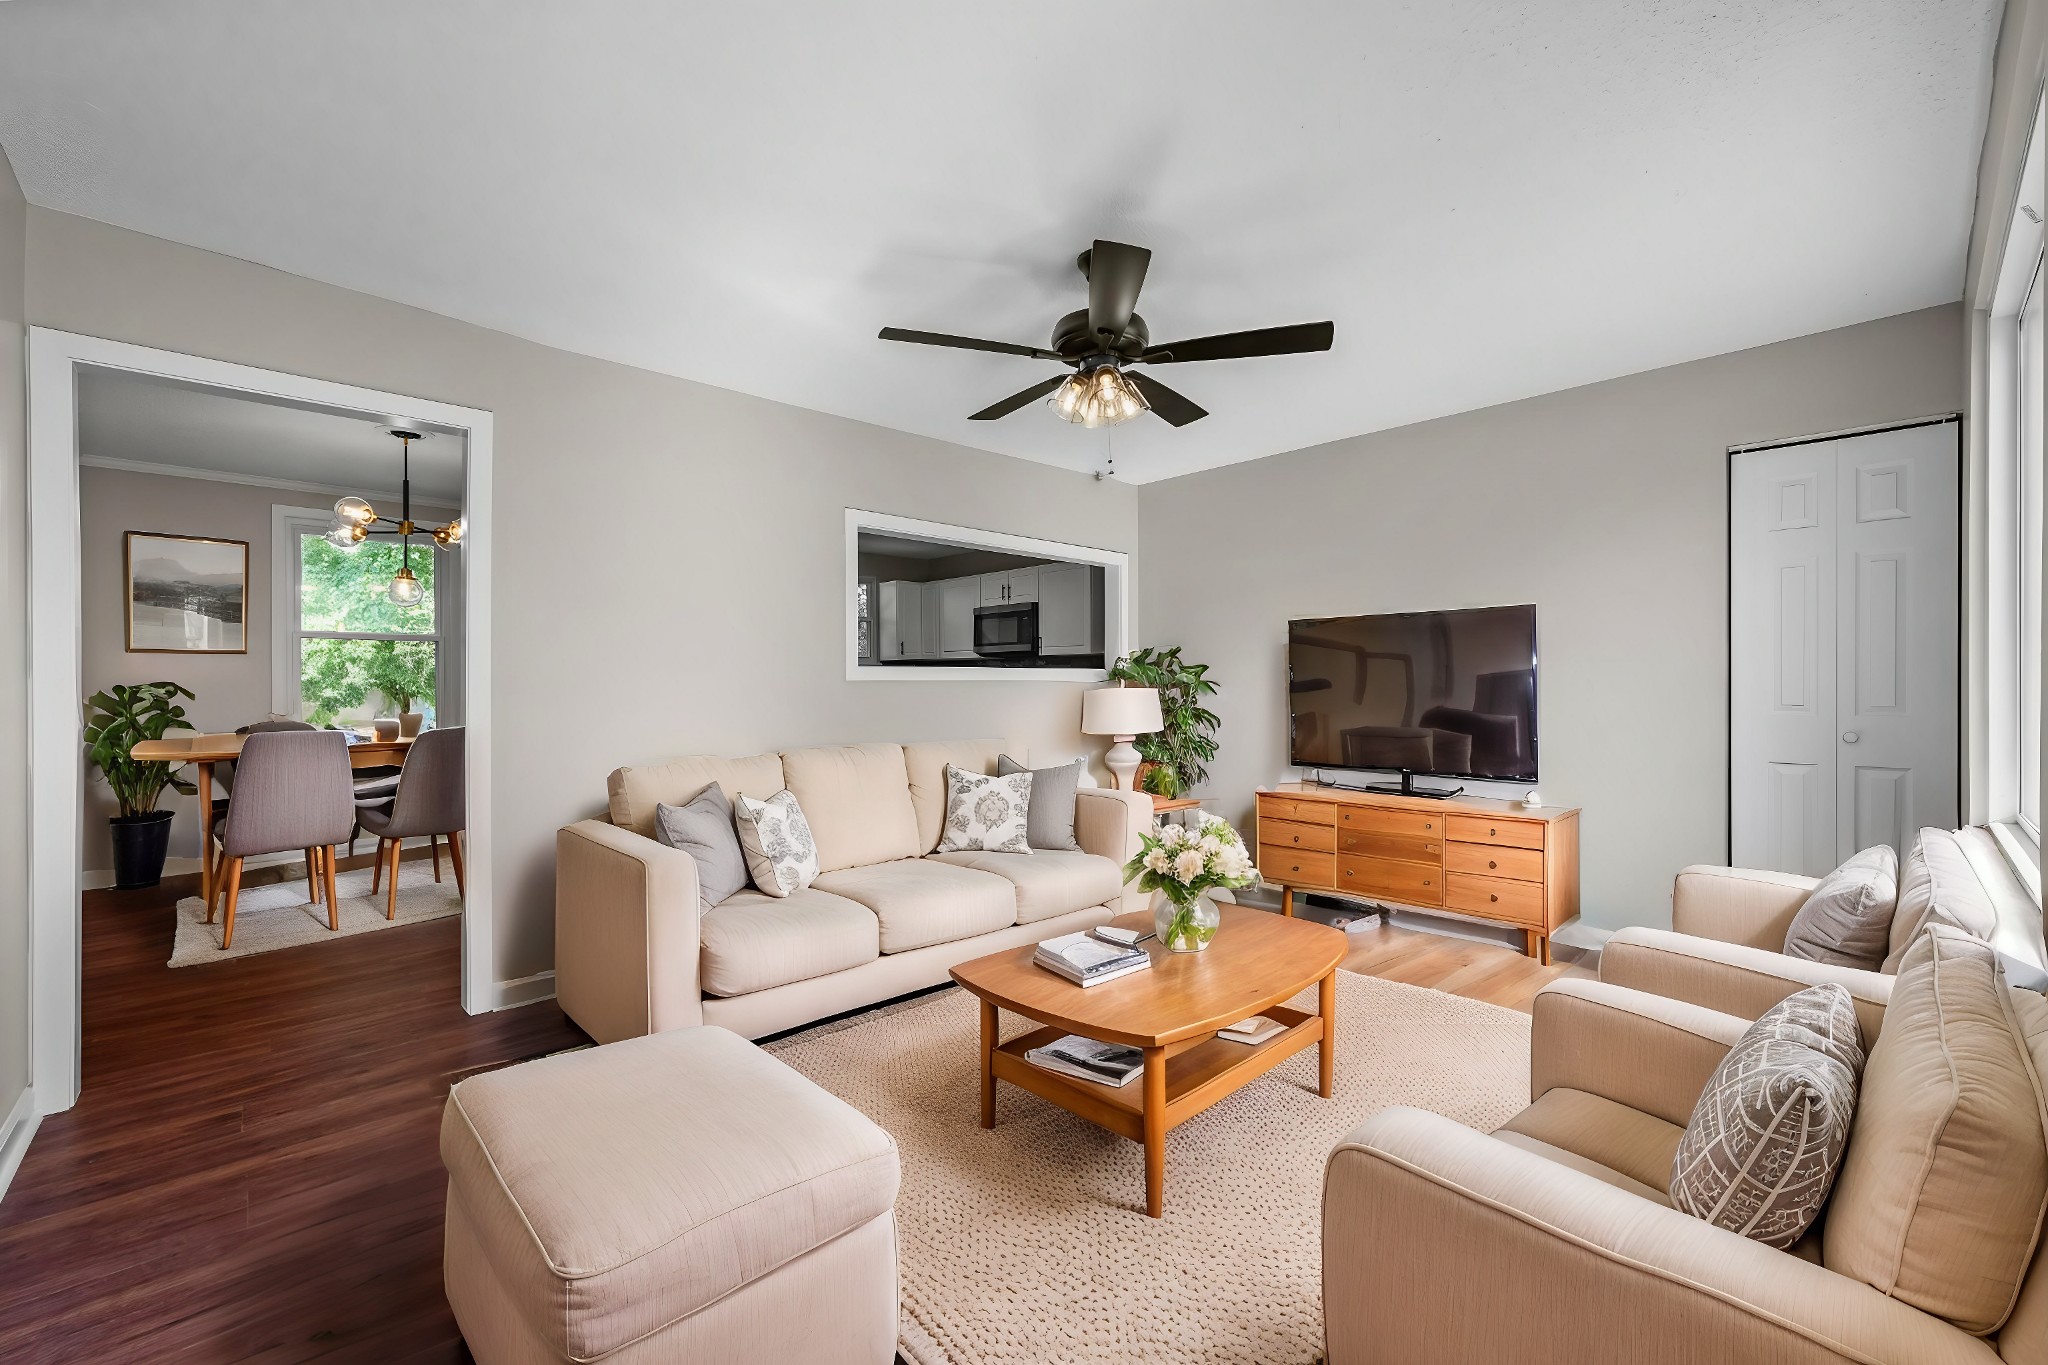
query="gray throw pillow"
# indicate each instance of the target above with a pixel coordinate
(1847, 921)
(1767, 1135)
(1050, 823)
(702, 827)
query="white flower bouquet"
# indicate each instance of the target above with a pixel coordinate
(1182, 862)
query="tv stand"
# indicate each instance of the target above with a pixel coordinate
(1406, 787)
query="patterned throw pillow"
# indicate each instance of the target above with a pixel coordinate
(1766, 1137)
(781, 857)
(990, 813)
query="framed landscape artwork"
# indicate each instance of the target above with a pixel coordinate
(186, 594)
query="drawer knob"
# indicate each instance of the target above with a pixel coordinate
(1426, 882)
(1297, 838)
(1492, 831)
(1427, 825)
(1490, 896)
(1295, 868)
(1491, 863)
(1348, 872)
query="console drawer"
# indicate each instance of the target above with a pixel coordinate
(1493, 860)
(1477, 829)
(1409, 883)
(1380, 821)
(1293, 808)
(1292, 834)
(1495, 898)
(1410, 848)
(1295, 867)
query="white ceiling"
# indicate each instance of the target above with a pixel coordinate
(163, 425)
(1490, 199)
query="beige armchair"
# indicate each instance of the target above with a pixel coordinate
(1554, 1240)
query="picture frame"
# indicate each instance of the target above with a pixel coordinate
(185, 594)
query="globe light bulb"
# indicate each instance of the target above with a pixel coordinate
(1103, 397)
(406, 590)
(449, 536)
(354, 510)
(346, 536)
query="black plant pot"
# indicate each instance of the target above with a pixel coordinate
(140, 842)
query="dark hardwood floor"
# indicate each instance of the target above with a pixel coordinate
(252, 1172)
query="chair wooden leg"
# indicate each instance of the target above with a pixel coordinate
(218, 867)
(455, 857)
(234, 890)
(434, 847)
(333, 900)
(391, 892)
(313, 876)
(377, 868)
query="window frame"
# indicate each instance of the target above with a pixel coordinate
(288, 636)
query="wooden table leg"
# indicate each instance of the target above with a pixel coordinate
(206, 873)
(988, 1064)
(1326, 1050)
(1155, 1131)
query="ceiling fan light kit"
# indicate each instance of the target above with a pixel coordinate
(355, 521)
(1101, 339)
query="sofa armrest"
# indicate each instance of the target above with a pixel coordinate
(626, 932)
(1738, 904)
(1108, 822)
(1645, 1051)
(1732, 977)
(1444, 1245)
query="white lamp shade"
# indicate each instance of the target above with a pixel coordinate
(1121, 711)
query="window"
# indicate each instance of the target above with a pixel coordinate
(346, 653)
(2029, 435)
(864, 616)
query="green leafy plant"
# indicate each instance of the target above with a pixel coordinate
(1188, 740)
(121, 717)
(1160, 779)
(336, 676)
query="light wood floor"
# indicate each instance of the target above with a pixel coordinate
(1480, 971)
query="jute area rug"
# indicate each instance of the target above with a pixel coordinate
(1029, 1243)
(279, 915)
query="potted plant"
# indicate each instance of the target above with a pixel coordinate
(118, 719)
(1176, 756)
(1180, 865)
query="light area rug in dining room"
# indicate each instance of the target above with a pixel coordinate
(280, 916)
(1029, 1243)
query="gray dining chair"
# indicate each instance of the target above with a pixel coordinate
(429, 801)
(224, 783)
(291, 791)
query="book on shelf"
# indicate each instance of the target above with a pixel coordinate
(1084, 1059)
(1256, 1029)
(1087, 961)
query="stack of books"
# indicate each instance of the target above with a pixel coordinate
(1084, 1059)
(1257, 1029)
(1087, 961)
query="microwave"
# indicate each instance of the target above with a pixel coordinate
(1007, 630)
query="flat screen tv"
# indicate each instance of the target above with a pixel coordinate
(1424, 693)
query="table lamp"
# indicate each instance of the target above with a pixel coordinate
(1123, 713)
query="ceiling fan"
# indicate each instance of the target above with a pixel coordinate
(1099, 341)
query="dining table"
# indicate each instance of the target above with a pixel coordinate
(203, 751)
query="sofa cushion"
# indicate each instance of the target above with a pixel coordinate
(920, 901)
(636, 791)
(1937, 885)
(782, 857)
(703, 828)
(1049, 883)
(1053, 793)
(1638, 1145)
(752, 941)
(1847, 920)
(619, 1189)
(925, 765)
(1766, 1137)
(857, 799)
(1940, 1199)
(987, 813)
(1605, 1174)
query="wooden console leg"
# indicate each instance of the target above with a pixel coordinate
(1287, 901)
(1544, 955)
(988, 1065)
(1155, 1131)
(1326, 1050)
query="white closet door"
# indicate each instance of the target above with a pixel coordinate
(1844, 646)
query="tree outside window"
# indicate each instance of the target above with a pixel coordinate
(360, 654)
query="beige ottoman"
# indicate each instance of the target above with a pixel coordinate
(678, 1197)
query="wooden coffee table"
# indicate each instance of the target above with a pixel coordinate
(1257, 961)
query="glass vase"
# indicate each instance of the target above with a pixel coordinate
(1185, 926)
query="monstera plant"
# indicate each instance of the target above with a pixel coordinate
(117, 719)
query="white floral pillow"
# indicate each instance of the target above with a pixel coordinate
(781, 856)
(986, 812)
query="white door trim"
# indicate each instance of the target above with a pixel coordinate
(56, 770)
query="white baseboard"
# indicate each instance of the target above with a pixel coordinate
(15, 1131)
(527, 990)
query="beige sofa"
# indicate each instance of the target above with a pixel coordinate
(636, 953)
(1554, 1239)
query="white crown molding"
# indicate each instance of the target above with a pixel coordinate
(179, 471)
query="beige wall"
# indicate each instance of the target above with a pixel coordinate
(669, 555)
(233, 689)
(1606, 506)
(14, 1053)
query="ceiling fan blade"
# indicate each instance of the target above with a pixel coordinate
(1165, 402)
(967, 343)
(1294, 340)
(1116, 272)
(1017, 400)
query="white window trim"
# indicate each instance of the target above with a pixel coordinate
(1118, 629)
(287, 526)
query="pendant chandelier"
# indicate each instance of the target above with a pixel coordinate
(356, 521)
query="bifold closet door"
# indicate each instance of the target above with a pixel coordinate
(1844, 645)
